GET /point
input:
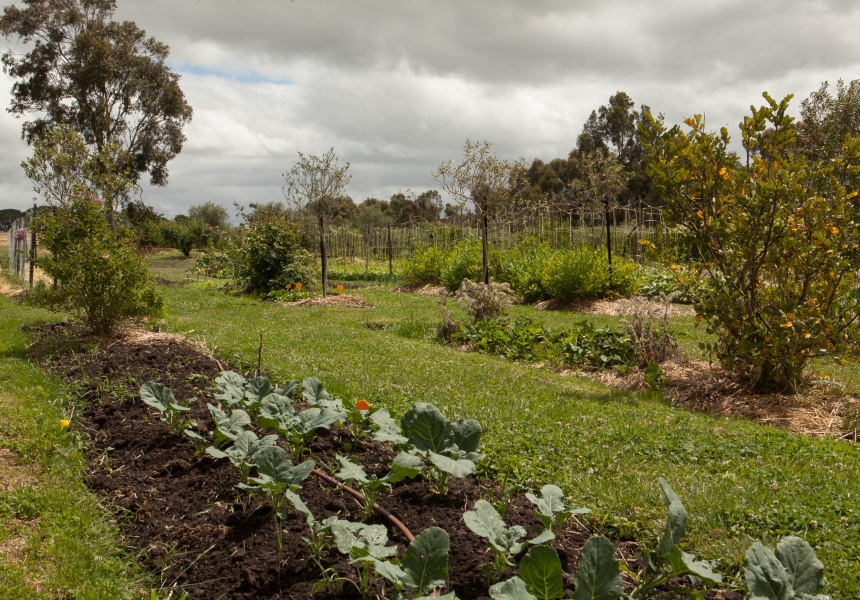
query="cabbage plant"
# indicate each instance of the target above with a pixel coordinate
(370, 485)
(278, 480)
(173, 412)
(277, 412)
(505, 542)
(234, 391)
(244, 451)
(364, 544)
(445, 448)
(793, 572)
(551, 508)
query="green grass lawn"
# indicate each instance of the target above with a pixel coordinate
(740, 481)
(56, 538)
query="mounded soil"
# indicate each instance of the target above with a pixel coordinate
(189, 523)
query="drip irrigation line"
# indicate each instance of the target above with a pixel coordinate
(359, 496)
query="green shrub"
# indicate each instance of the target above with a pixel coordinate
(97, 270)
(424, 266)
(584, 272)
(271, 256)
(657, 281)
(521, 266)
(464, 262)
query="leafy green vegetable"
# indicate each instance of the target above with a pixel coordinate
(540, 569)
(793, 572)
(369, 485)
(551, 508)
(244, 451)
(227, 427)
(597, 575)
(172, 411)
(424, 564)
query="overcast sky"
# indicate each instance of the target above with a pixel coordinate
(397, 86)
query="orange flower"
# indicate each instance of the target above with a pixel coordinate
(834, 230)
(362, 405)
(339, 289)
(299, 287)
(288, 286)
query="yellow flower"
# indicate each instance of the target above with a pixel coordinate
(645, 243)
(64, 423)
(786, 324)
(723, 171)
(288, 286)
(701, 214)
(807, 335)
(834, 229)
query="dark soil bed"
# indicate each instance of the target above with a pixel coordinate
(190, 524)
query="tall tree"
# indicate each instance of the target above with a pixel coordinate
(104, 78)
(317, 182)
(484, 181)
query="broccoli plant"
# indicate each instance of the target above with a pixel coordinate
(668, 560)
(506, 542)
(423, 566)
(244, 451)
(370, 485)
(447, 449)
(172, 411)
(551, 508)
(236, 391)
(792, 572)
(278, 480)
(227, 426)
(315, 394)
(387, 429)
(540, 576)
(364, 544)
(277, 412)
(319, 542)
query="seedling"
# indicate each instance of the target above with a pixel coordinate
(369, 485)
(792, 572)
(319, 543)
(551, 508)
(447, 449)
(227, 426)
(506, 542)
(244, 451)
(278, 480)
(668, 560)
(172, 411)
(424, 565)
(364, 544)
(540, 576)
(277, 412)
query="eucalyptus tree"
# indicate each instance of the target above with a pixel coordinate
(105, 79)
(486, 183)
(317, 183)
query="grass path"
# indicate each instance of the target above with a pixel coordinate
(606, 448)
(56, 541)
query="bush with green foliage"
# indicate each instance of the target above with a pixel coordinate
(424, 265)
(584, 272)
(184, 235)
(521, 266)
(779, 241)
(464, 262)
(97, 270)
(271, 256)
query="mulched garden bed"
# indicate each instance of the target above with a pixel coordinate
(189, 522)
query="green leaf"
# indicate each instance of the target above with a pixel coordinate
(765, 575)
(427, 428)
(804, 568)
(485, 521)
(597, 576)
(512, 589)
(425, 561)
(387, 429)
(157, 396)
(540, 569)
(410, 461)
(274, 463)
(399, 473)
(460, 468)
(350, 471)
(701, 569)
(676, 522)
(313, 391)
(545, 536)
(300, 505)
(232, 386)
(318, 418)
(277, 412)
(551, 500)
(375, 538)
(391, 572)
(257, 389)
(215, 452)
(467, 434)
(287, 388)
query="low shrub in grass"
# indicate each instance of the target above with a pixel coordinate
(97, 270)
(521, 266)
(424, 265)
(584, 272)
(464, 262)
(183, 235)
(271, 257)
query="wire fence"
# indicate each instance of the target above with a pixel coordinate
(627, 227)
(22, 249)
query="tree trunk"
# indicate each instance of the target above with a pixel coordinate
(323, 258)
(485, 277)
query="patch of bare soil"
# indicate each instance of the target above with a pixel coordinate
(344, 300)
(190, 523)
(707, 388)
(621, 307)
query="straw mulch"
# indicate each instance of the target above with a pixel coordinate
(700, 386)
(424, 290)
(617, 308)
(343, 300)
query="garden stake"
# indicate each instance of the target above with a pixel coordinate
(260, 356)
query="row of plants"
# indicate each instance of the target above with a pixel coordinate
(426, 443)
